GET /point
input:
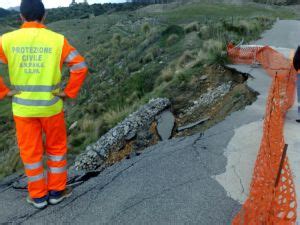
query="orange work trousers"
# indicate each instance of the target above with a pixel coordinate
(31, 143)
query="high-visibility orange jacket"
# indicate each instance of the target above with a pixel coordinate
(77, 76)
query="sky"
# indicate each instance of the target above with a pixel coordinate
(53, 3)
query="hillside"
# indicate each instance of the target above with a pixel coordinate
(139, 54)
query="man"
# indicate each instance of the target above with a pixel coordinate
(296, 62)
(35, 56)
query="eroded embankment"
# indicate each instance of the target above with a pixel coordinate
(217, 93)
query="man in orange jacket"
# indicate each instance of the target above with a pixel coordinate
(35, 56)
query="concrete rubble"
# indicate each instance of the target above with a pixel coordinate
(210, 97)
(114, 140)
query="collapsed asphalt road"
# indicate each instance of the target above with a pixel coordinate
(169, 184)
(191, 180)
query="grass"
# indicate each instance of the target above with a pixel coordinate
(213, 46)
(166, 75)
(146, 28)
(172, 39)
(204, 11)
(113, 117)
(186, 58)
(192, 27)
(5, 108)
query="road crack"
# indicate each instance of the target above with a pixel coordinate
(153, 196)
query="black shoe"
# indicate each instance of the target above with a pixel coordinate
(56, 197)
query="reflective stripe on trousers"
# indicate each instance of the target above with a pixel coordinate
(57, 159)
(57, 169)
(36, 178)
(33, 166)
(30, 167)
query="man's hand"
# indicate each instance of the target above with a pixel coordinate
(12, 93)
(62, 95)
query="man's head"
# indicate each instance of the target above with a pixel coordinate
(32, 10)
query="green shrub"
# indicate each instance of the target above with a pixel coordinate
(173, 29)
(171, 35)
(95, 108)
(133, 67)
(172, 39)
(246, 27)
(231, 37)
(149, 57)
(156, 52)
(86, 124)
(167, 74)
(202, 56)
(186, 58)
(204, 32)
(182, 78)
(192, 27)
(116, 40)
(11, 162)
(113, 117)
(77, 140)
(132, 98)
(101, 127)
(213, 46)
(141, 82)
(146, 28)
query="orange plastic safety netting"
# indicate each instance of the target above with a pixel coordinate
(270, 202)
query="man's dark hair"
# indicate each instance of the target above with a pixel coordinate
(32, 10)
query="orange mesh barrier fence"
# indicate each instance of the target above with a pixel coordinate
(270, 202)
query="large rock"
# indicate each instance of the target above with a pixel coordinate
(114, 140)
(165, 125)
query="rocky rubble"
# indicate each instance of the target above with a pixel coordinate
(210, 97)
(95, 155)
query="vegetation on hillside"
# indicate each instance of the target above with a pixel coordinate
(83, 11)
(4, 13)
(278, 2)
(155, 56)
(134, 56)
(76, 11)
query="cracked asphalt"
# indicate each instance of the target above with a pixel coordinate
(170, 183)
(202, 179)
